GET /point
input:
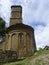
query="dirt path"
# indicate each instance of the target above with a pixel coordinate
(41, 60)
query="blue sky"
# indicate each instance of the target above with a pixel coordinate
(35, 14)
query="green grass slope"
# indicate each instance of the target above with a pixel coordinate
(41, 57)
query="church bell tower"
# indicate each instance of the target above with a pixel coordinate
(16, 15)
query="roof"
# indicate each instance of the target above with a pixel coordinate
(19, 26)
(16, 6)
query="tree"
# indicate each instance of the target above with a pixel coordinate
(2, 28)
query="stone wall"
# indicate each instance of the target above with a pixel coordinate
(21, 41)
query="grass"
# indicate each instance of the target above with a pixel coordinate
(42, 52)
(38, 62)
(29, 59)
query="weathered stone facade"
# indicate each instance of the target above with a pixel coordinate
(19, 37)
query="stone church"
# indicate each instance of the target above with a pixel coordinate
(19, 37)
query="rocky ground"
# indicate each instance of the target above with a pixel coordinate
(41, 60)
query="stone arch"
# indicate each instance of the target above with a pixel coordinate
(14, 44)
(20, 37)
(13, 34)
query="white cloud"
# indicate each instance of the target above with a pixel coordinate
(42, 36)
(5, 10)
(34, 11)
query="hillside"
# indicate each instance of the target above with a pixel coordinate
(41, 57)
